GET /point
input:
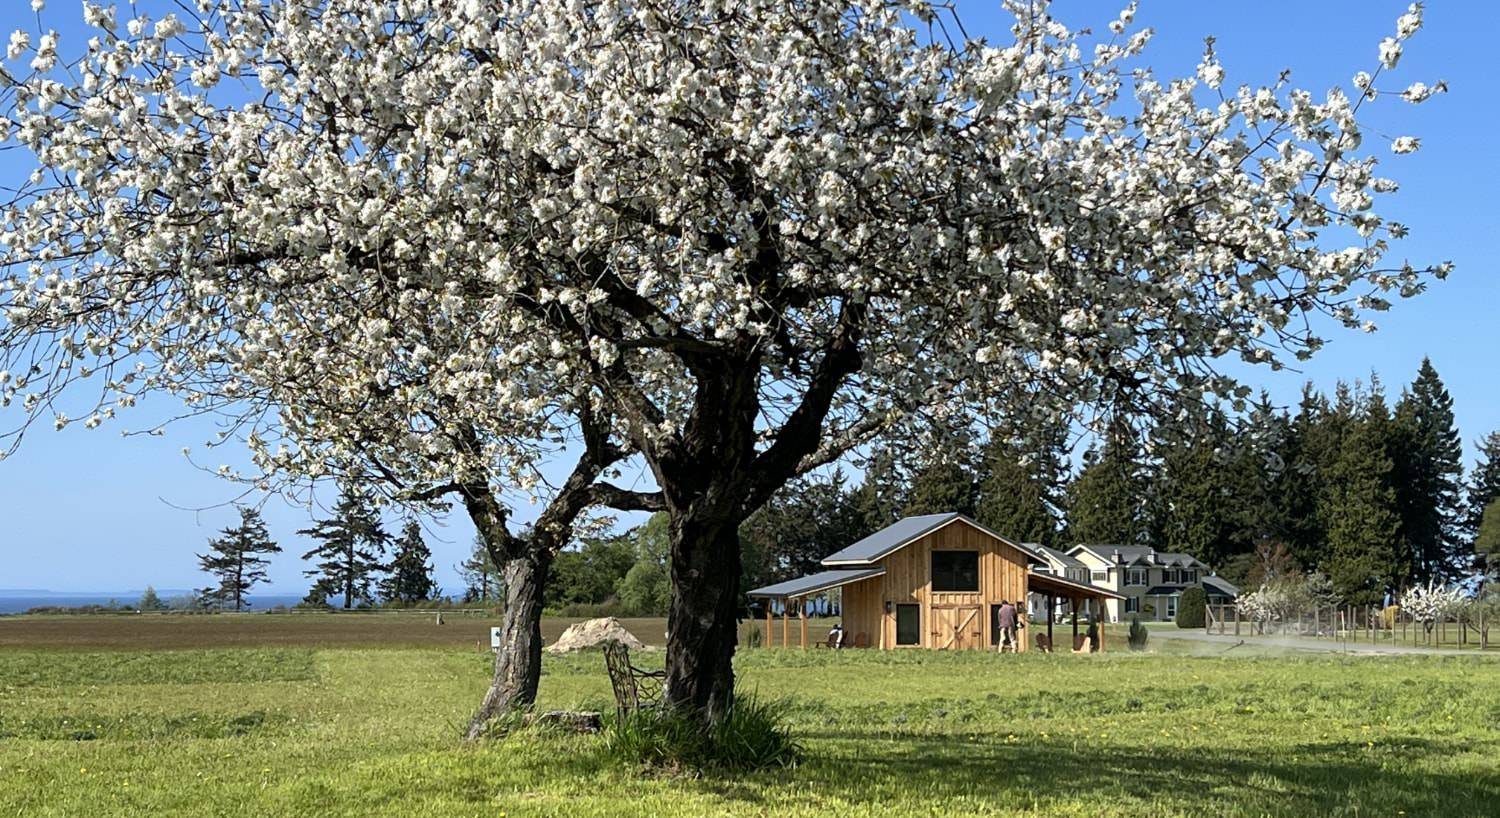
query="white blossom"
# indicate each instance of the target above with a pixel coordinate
(1405, 144)
(434, 247)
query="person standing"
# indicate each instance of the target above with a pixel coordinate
(1007, 626)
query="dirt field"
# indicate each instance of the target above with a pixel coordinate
(403, 629)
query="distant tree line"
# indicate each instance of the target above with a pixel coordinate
(1371, 493)
(354, 558)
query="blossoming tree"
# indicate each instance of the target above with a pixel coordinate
(752, 234)
(1432, 603)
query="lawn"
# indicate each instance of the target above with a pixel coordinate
(265, 728)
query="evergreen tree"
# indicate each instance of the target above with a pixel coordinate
(351, 546)
(482, 580)
(1020, 487)
(235, 560)
(1194, 501)
(410, 578)
(1487, 539)
(880, 497)
(150, 601)
(806, 521)
(1360, 511)
(943, 483)
(1106, 501)
(1484, 487)
(1308, 453)
(1428, 464)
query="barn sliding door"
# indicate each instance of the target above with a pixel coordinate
(957, 627)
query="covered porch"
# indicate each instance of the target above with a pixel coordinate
(793, 595)
(1088, 599)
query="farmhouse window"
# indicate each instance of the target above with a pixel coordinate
(1189, 577)
(1135, 576)
(1099, 576)
(955, 570)
(1132, 604)
(908, 624)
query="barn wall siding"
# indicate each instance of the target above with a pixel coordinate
(1002, 576)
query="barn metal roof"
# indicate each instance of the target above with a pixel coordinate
(1217, 584)
(814, 583)
(902, 532)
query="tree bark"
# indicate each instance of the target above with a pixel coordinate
(702, 622)
(518, 663)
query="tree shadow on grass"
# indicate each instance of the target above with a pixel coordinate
(1328, 779)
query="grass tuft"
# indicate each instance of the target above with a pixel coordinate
(753, 735)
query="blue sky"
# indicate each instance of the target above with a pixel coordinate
(88, 510)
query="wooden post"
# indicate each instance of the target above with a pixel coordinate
(1097, 606)
(786, 622)
(802, 620)
(1051, 612)
(1073, 603)
(770, 634)
(1236, 620)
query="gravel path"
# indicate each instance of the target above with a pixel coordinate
(1300, 643)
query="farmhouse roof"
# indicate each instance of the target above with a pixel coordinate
(905, 531)
(1055, 556)
(814, 583)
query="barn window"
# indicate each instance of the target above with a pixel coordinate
(908, 624)
(955, 570)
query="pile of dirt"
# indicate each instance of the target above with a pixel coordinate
(592, 634)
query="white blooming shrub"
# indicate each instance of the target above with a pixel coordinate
(1432, 603)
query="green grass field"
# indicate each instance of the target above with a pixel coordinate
(260, 727)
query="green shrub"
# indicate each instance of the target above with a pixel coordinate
(1138, 633)
(751, 736)
(753, 638)
(1192, 608)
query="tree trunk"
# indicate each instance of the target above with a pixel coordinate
(518, 664)
(702, 626)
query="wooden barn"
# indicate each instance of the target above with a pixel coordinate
(933, 581)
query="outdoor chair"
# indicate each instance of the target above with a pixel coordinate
(861, 640)
(635, 689)
(833, 641)
(1082, 645)
(1043, 643)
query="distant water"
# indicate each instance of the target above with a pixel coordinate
(21, 604)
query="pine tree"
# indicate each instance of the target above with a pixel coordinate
(351, 545)
(880, 497)
(1484, 487)
(1308, 453)
(1360, 511)
(1487, 539)
(806, 521)
(1106, 502)
(235, 560)
(150, 601)
(410, 578)
(944, 483)
(1428, 463)
(1194, 504)
(1020, 487)
(482, 580)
